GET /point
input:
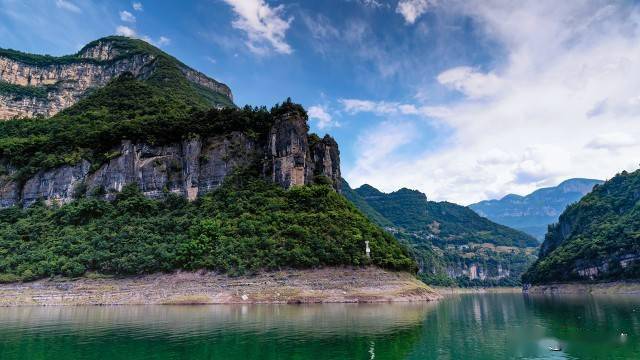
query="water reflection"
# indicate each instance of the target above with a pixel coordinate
(490, 326)
(385, 331)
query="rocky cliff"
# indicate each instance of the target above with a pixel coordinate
(189, 168)
(32, 85)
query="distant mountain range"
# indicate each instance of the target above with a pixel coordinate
(533, 213)
(451, 243)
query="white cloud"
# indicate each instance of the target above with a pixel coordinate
(379, 143)
(411, 10)
(163, 40)
(265, 26)
(355, 106)
(470, 82)
(320, 114)
(563, 97)
(126, 31)
(132, 33)
(68, 5)
(371, 3)
(137, 6)
(127, 16)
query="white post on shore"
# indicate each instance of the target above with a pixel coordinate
(367, 249)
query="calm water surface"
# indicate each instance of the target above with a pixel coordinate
(492, 326)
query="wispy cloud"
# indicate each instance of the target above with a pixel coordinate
(470, 82)
(127, 16)
(320, 114)
(411, 10)
(68, 5)
(126, 31)
(132, 33)
(265, 26)
(137, 6)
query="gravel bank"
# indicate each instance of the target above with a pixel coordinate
(329, 285)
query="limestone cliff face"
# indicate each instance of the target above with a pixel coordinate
(61, 82)
(190, 168)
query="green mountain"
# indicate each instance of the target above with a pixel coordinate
(147, 172)
(597, 238)
(451, 243)
(533, 213)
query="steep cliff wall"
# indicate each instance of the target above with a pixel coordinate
(189, 168)
(42, 85)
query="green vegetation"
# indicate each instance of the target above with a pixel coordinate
(18, 92)
(166, 76)
(446, 238)
(453, 224)
(598, 231)
(364, 207)
(245, 226)
(125, 109)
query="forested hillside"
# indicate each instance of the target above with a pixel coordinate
(451, 243)
(597, 238)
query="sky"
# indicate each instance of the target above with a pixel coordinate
(462, 100)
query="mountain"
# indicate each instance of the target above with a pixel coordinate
(597, 238)
(450, 242)
(42, 85)
(533, 213)
(152, 168)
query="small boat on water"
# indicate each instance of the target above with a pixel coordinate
(555, 348)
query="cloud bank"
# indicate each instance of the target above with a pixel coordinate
(563, 102)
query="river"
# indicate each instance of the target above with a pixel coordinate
(477, 326)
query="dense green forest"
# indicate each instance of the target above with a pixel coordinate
(445, 237)
(598, 231)
(245, 226)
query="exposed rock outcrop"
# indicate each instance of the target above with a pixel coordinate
(190, 168)
(53, 84)
(64, 84)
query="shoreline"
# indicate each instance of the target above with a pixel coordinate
(326, 285)
(603, 288)
(447, 291)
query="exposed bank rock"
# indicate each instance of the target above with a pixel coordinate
(189, 168)
(35, 85)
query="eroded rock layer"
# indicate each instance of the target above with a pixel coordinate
(189, 168)
(49, 85)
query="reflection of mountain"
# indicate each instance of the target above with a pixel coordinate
(335, 331)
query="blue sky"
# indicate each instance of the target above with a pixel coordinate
(462, 100)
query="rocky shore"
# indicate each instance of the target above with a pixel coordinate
(329, 285)
(616, 287)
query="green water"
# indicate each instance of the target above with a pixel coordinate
(498, 326)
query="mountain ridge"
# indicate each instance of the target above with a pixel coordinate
(43, 85)
(451, 243)
(532, 213)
